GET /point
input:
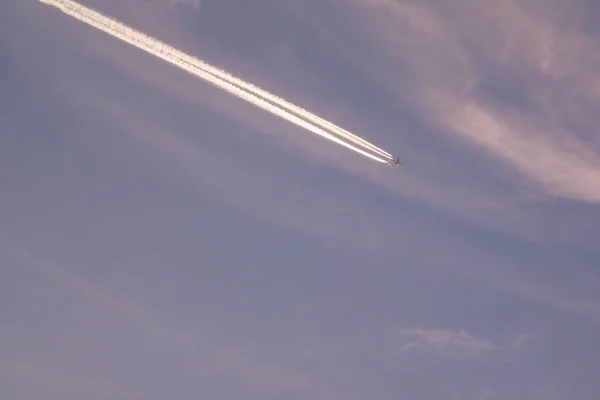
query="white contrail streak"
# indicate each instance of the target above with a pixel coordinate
(279, 101)
(283, 104)
(211, 74)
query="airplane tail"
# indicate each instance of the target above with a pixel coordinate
(395, 161)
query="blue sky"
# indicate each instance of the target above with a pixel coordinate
(162, 239)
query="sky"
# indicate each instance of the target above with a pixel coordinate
(160, 238)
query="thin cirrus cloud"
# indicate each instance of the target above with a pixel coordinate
(518, 83)
(467, 203)
(146, 352)
(461, 344)
(444, 341)
(306, 208)
(485, 203)
(326, 217)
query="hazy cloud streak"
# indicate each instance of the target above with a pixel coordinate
(441, 340)
(515, 80)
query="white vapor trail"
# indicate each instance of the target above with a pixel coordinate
(283, 103)
(216, 77)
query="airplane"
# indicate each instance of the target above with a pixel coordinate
(395, 162)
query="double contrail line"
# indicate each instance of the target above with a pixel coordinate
(221, 79)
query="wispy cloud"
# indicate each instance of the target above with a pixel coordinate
(461, 345)
(256, 189)
(517, 81)
(426, 180)
(445, 341)
(327, 217)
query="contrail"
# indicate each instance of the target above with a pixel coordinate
(278, 101)
(282, 103)
(213, 75)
